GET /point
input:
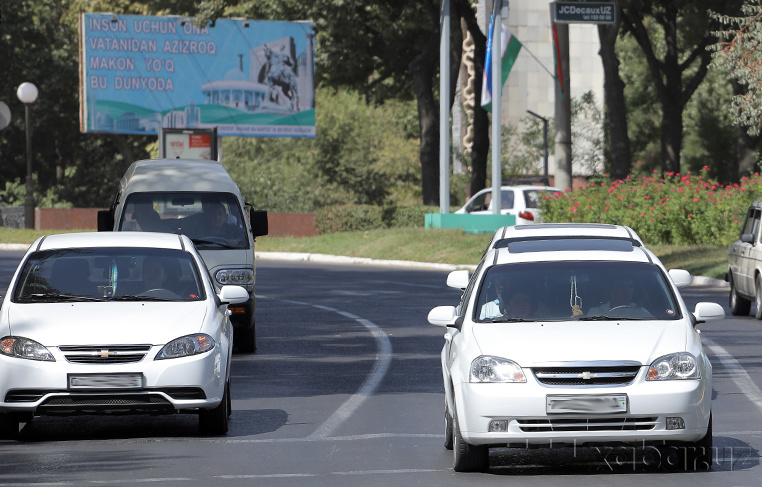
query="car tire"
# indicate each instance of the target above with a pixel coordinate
(689, 457)
(758, 297)
(467, 457)
(448, 428)
(214, 422)
(739, 306)
(9, 426)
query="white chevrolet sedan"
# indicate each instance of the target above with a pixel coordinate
(120, 323)
(575, 342)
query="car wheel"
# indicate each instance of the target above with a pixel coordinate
(214, 422)
(466, 457)
(448, 428)
(9, 426)
(758, 297)
(739, 305)
(689, 457)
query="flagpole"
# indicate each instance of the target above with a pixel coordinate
(497, 91)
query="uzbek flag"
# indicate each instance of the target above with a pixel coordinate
(509, 52)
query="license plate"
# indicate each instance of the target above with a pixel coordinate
(105, 381)
(587, 404)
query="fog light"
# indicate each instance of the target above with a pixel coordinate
(499, 425)
(237, 310)
(675, 424)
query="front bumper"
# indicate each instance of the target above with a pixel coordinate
(169, 386)
(522, 407)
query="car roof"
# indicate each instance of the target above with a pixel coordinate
(177, 175)
(543, 231)
(112, 239)
(530, 252)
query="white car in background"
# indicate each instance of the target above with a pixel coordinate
(117, 323)
(523, 202)
(575, 342)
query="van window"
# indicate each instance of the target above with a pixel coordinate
(211, 220)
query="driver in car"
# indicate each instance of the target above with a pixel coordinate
(621, 292)
(216, 224)
(154, 274)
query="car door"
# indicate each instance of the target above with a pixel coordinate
(742, 260)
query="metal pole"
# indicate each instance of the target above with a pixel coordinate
(444, 109)
(29, 202)
(497, 91)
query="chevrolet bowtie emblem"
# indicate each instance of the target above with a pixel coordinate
(587, 375)
(106, 353)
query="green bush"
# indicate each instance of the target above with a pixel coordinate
(345, 218)
(676, 209)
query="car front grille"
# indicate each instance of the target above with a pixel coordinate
(586, 375)
(115, 403)
(107, 354)
(177, 393)
(586, 424)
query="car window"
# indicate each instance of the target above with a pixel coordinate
(755, 224)
(506, 199)
(109, 274)
(211, 220)
(748, 226)
(584, 290)
(533, 197)
(480, 202)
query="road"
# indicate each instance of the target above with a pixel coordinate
(346, 390)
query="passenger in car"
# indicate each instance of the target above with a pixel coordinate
(621, 294)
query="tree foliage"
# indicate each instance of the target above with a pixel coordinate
(737, 52)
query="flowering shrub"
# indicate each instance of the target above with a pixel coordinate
(676, 209)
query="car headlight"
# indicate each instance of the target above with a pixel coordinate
(674, 366)
(236, 277)
(186, 346)
(495, 369)
(21, 347)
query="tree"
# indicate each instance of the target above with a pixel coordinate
(737, 52)
(620, 157)
(678, 60)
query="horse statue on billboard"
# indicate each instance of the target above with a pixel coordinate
(280, 78)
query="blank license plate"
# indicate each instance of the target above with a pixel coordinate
(105, 381)
(587, 404)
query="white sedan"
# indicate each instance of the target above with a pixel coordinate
(118, 323)
(523, 202)
(579, 343)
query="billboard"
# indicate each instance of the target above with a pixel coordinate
(188, 144)
(246, 78)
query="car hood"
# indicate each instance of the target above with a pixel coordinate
(106, 323)
(530, 344)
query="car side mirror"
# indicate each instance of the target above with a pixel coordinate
(681, 277)
(706, 312)
(105, 221)
(747, 238)
(259, 225)
(458, 279)
(233, 295)
(443, 316)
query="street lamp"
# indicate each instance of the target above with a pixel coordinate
(546, 180)
(27, 93)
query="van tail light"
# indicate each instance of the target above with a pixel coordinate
(526, 215)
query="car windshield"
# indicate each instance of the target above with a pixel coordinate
(211, 220)
(109, 274)
(584, 290)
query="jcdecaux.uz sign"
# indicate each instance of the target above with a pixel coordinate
(242, 77)
(583, 12)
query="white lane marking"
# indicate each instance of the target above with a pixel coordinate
(737, 373)
(376, 375)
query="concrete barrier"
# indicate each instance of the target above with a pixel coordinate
(469, 223)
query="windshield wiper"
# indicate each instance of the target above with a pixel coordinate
(509, 320)
(199, 241)
(606, 318)
(133, 297)
(58, 297)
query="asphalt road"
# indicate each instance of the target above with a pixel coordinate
(346, 390)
